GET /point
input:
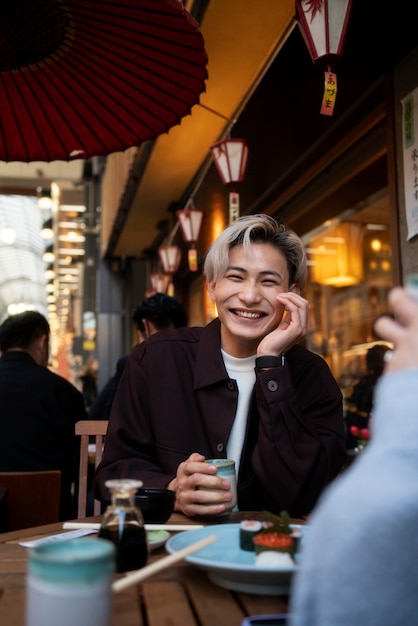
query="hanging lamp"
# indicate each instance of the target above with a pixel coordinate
(230, 157)
(190, 220)
(323, 24)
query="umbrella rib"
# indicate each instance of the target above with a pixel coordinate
(122, 44)
(125, 109)
(76, 113)
(98, 62)
(41, 107)
(185, 25)
(161, 103)
(17, 125)
(95, 23)
(142, 52)
(107, 108)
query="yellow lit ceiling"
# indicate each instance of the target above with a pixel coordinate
(242, 37)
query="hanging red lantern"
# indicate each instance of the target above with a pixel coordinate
(230, 157)
(190, 220)
(323, 24)
(159, 282)
(170, 258)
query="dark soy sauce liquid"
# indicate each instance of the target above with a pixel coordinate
(131, 545)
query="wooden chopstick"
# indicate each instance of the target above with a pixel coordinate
(140, 575)
(169, 527)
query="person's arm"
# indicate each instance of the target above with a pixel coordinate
(375, 497)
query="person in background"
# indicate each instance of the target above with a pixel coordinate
(39, 409)
(89, 381)
(358, 564)
(155, 313)
(240, 387)
(359, 403)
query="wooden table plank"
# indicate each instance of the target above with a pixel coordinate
(263, 605)
(213, 604)
(126, 608)
(167, 603)
(12, 604)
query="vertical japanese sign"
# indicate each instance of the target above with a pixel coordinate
(410, 160)
(330, 93)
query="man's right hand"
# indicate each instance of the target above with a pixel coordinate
(198, 490)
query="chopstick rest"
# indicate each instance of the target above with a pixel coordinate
(140, 575)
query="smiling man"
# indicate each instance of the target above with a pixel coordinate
(240, 388)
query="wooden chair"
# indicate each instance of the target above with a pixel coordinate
(86, 429)
(33, 498)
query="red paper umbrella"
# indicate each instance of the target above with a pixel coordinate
(82, 78)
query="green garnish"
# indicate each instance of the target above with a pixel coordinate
(281, 526)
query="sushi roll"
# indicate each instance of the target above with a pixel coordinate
(274, 542)
(247, 530)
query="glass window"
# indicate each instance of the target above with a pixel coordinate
(350, 274)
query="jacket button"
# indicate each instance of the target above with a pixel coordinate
(272, 385)
(231, 385)
(220, 447)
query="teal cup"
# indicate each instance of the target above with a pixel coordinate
(69, 583)
(226, 469)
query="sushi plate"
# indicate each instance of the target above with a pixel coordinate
(228, 565)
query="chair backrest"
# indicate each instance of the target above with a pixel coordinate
(33, 498)
(87, 429)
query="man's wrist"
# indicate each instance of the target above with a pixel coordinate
(267, 361)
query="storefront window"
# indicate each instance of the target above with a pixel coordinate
(349, 278)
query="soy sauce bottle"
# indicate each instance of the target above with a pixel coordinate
(123, 525)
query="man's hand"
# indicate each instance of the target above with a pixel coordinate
(401, 331)
(192, 480)
(292, 328)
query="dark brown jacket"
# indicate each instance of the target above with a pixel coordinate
(175, 398)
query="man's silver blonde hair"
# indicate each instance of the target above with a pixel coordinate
(258, 228)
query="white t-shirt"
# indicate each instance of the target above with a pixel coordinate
(241, 370)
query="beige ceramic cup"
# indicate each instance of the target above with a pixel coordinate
(226, 469)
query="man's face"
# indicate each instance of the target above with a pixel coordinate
(246, 297)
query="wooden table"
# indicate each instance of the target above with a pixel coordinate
(181, 595)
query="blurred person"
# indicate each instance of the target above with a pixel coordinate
(358, 405)
(155, 313)
(358, 564)
(39, 409)
(241, 387)
(89, 380)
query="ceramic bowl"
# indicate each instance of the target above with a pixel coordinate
(155, 504)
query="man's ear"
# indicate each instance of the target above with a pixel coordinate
(211, 285)
(295, 288)
(42, 350)
(150, 328)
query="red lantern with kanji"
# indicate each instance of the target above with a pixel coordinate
(323, 24)
(230, 157)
